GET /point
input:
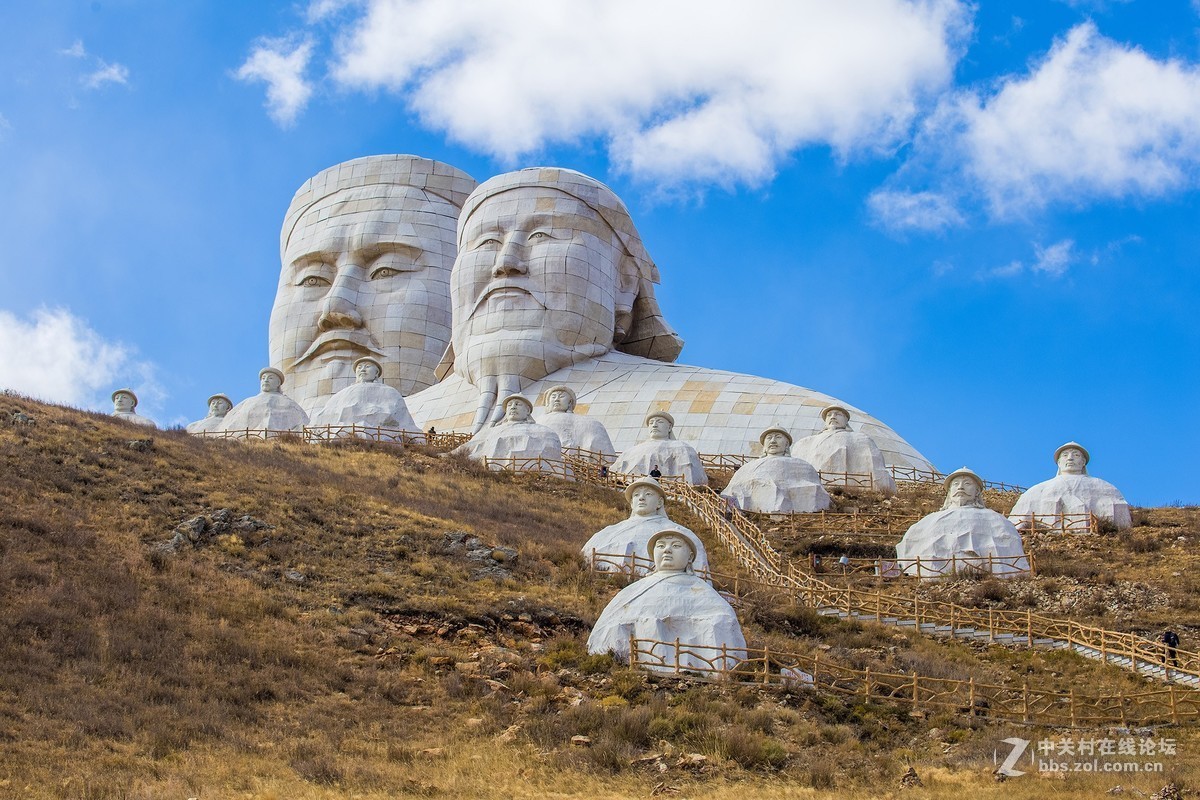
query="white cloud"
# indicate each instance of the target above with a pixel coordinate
(281, 63)
(679, 89)
(925, 211)
(107, 73)
(56, 356)
(1056, 259)
(1095, 119)
(324, 9)
(75, 50)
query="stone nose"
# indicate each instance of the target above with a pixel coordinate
(510, 260)
(340, 307)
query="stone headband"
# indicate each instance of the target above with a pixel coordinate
(440, 180)
(662, 414)
(962, 471)
(647, 482)
(220, 396)
(367, 360)
(1077, 446)
(265, 370)
(825, 411)
(649, 335)
(125, 391)
(671, 532)
(775, 429)
(560, 388)
(520, 397)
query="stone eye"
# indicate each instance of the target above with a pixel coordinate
(314, 280)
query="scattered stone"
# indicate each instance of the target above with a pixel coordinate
(140, 445)
(21, 418)
(433, 752)
(1168, 792)
(581, 741)
(474, 722)
(294, 576)
(910, 779)
(509, 734)
(1118, 789)
(495, 562)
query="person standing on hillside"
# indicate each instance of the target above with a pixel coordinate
(1171, 640)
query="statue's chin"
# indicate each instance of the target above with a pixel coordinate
(527, 355)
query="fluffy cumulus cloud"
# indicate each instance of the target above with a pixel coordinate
(106, 73)
(1095, 119)
(679, 89)
(56, 356)
(281, 64)
(1051, 261)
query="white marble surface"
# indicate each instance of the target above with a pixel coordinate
(553, 285)
(124, 403)
(574, 430)
(366, 250)
(671, 603)
(269, 410)
(367, 402)
(630, 537)
(663, 452)
(1073, 491)
(777, 485)
(218, 406)
(837, 450)
(963, 528)
(516, 436)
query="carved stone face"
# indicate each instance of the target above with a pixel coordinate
(124, 402)
(672, 554)
(645, 502)
(218, 407)
(269, 382)
(366, 271)
(836, 420)
(559, 401)
(775, 444)
(1071, 462)
(535, 285)
(962, 492)
(516, 411)
(659, 428)
(366, 372)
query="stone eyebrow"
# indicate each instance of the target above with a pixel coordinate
(398, 245)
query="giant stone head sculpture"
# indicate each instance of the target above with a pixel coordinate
(366, 247)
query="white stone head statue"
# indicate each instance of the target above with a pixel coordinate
(964, 489)
(775, 441)
(219, 405)
(660, 425)
(366, 251)
(550, 272)
(671, 551)
(124, 401)
(835, 418)
(367, 370)
(560, 398)
(270, 380)
(646, 498)
(517, 408)
(1072, 459)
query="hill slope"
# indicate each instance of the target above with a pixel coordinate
(210, 619)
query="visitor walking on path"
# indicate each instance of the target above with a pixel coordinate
(1171, 640)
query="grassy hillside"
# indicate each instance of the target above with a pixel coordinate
(188, 618)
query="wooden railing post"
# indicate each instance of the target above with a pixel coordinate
(677, 654)
(1025, 701)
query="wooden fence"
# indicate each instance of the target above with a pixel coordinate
(1056, 523)
(543, 466)
(1011, 702)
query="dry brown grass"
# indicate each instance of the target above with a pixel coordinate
(345, 649)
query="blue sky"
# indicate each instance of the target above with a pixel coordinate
(976, 221)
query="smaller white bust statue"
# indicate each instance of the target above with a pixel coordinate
(368, 402)
(837, 451)
(1072, 491)
(269, 410)
(124, 403)
(517, 436)
(670, 604)
(662, 452)
(647, 516)
(218, 407)
(575, 430)
(777, 483)
(965, 531)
